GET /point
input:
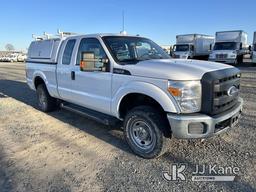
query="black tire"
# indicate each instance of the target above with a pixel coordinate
(154, 123)
(46, 103)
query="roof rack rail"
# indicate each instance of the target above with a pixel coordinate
(37, 38)
(60, 34)
(47, 35)
(65, 34)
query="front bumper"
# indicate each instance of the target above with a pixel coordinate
(212, 125)
(226, 60)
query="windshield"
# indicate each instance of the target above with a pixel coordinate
(133, 49)
(225, 46)
(181, 48)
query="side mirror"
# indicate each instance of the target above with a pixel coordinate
(90, 63)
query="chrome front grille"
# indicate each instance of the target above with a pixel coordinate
(221, 56)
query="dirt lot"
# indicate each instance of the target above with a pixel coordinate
(62, 151)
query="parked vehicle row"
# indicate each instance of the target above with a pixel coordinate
(226, 47)
(14, 57)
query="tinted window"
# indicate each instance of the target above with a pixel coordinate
(181, 48)
(90, 45)
(68, 52)
(226, 46)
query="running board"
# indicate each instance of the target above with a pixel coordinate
(91, 114)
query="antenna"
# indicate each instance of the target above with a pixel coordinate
(123, 20)
(123, 32)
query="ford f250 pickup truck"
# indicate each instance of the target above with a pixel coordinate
(115, 78)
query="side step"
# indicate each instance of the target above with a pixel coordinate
(91, 114)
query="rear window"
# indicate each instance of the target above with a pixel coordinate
(67, 55)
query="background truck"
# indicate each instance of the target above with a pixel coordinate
(230, 47)
(193, 46)
(254, 48)
(125, 79)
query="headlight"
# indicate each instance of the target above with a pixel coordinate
(188, 95)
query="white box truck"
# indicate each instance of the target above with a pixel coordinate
(193, 46)
(254, 48)
(230, 47)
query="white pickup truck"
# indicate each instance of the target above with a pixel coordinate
(130, 79)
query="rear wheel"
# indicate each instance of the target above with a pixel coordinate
(143, 128)
(46, 103)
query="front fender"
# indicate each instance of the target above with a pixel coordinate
(167, 102)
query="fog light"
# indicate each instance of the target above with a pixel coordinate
(197, 128)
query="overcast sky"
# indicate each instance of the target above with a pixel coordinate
(159, 20)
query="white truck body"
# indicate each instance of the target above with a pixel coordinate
(230, 46)
(254, 48)
(193, 46)
(113, 88)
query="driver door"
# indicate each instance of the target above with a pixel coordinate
(92, 85)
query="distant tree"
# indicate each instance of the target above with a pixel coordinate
(9, 47)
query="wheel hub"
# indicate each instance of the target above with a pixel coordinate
(141, 134)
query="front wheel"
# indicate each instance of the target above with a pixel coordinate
(143, 129)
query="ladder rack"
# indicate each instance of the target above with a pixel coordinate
(60, 34)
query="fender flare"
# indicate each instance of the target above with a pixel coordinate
(167, 102)
(42, 76)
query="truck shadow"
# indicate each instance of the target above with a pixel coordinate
(21, 92)
(5, 179)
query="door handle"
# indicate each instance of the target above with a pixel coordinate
(73, 75)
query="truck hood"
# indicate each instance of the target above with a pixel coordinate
(174, 69)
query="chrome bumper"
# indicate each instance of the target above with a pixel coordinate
(180, 123)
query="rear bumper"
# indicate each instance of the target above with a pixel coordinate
(212, 125)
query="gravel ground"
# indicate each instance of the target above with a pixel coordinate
(62, 151)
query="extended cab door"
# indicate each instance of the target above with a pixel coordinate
(64, 69)
(91, 87)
